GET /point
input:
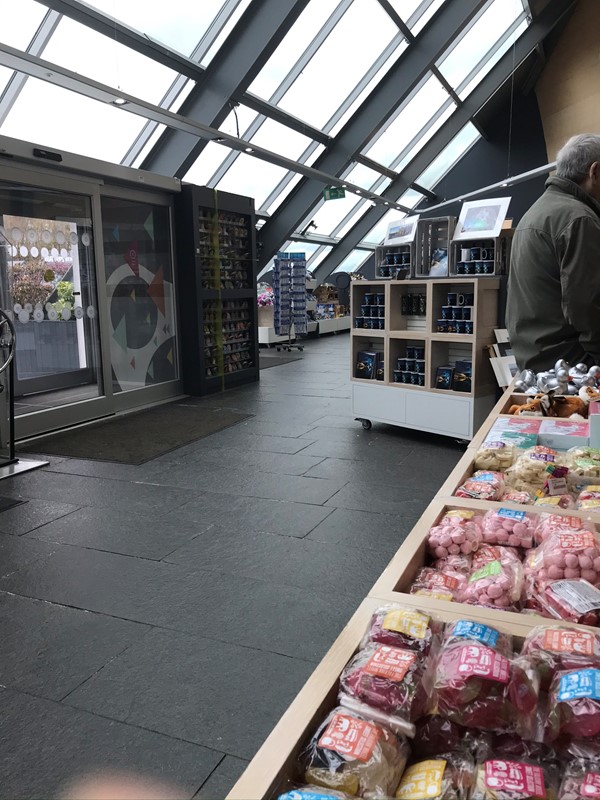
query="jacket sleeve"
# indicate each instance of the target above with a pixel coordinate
(580, 281)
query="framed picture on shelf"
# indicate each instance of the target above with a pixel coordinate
(402, 231)
(481, 219)
(443, 377)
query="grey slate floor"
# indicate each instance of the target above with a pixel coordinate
(161, 617)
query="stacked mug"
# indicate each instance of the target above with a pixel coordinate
(413, 305)
(410, 369)
(372, 312)
(457, 316)
(476, 261)
(395, 265)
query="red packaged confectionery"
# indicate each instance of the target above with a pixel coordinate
(449, 776)
(457, 532)
(499, 779)
(435, 734)
(453, 564)
(509, 527)
(521, 498)
(573, 706)
(572, 600)
(589, 498)
(443, 585)
(495, 585)
(555, 501)
(352, 754)
(581, 781)
(402, 627)
(393, 680)
(478, 687)
(565, 554)
(465, 630)
(490, 552)
(549, 523)
(482, 486)
(560, 647)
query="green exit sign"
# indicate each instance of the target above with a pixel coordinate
(334, 193)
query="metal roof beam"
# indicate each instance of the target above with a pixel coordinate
(377, 108)
(501, 72)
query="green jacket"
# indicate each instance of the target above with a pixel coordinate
(553, 308)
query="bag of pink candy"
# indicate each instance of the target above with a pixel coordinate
(509, 527)
(495, 585)
(483, 485)
(442, 585)
(550, 523)
(564, 553)
(457, 532)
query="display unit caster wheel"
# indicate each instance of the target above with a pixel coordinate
(366, 423)
(301, 349)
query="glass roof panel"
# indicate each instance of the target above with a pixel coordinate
(354, 261)
(332, 212)
(466, 90)
(424, 136)
(377, 233)
(320, 255)
(64, 120)
(363, 176)
(409, 120)
(251, 177)
(405, 8)
(448, 157)
(277, 137)
(241, 6)
(478, 40)
(304, 30)
(207, 163)
(152, 140)
(20, 21)
(282, 193)
(329, 77)
(180, 29)
(82, 50)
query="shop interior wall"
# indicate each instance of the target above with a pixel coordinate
(568, 90)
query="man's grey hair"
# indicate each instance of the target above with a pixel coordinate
(576, 157)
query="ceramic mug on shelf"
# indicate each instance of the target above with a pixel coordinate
(465, 254)
(419, 352)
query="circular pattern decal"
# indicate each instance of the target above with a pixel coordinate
(48, 306)
(54, 252)
(28, 308)
(18, 308)
(38, 315)
(31, 236)
(52, 314)
(46, 237)
(63, 251)
(16, 234)
(91, 312)
(24, 317)
(85, 238)
(66, 313)
(60, 238)
(78, 312)
(49, 275)
(13, 250)
(45, 252)
(74, 238)
(23, 251)
(34, 252)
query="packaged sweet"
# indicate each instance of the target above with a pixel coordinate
(565, 554)
(528, 473)
(574, 705)
(583, 464)
(589, 498)
(520, 498)
(491, 552)
(350, 753)
(478, 687)
(581, 780)
(312, 793)
(560, 647)
(483, 485)
(433, 583)
(555, 501)
(549, 523)
(449, 776)
(572, 600)
(495, 585)
(453, 564)
(435, 734)
(499, 779)
(466, 630)
(459, 531)
(509, 527)
(495, 455)
(392, 679)
(402, 627)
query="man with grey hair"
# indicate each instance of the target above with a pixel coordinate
(553, 308)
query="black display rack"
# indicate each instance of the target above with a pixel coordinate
(216, 267)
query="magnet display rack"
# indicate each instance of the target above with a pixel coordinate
(275, 767)
(216, 267)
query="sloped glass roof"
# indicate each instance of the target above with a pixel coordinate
(313, 99)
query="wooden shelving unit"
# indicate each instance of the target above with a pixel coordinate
(216, 265)
(423, 405)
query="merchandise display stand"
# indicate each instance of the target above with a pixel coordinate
(289, 289)
(412, 397)
(275, 767)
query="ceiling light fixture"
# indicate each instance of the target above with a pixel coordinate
(249, 149)
(119, 101)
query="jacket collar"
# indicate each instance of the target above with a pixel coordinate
(564, 185)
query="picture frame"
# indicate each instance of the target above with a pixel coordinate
(481, 219)
(402, 231)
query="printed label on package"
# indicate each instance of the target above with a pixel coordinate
(576, 541)
(589, 504)
(508, 513)
(435, 595)
(572, 641)
(556, 486)
(390, 662)
(580, 595)
(460, 513)
(542, 457)
(494, 445)
(478, 660)
(441, 580)
(579, 684)
(592, 489)
(304, 794)
(485, 477)
(485, 554)
(558, 521)
(521, 780)
(493, 568)
(591, 785)
(587, 463)
(411, 623)
(422, 781)
(547, 501)
(475, 630)
(350, 737)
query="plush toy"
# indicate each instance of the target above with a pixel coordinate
(558, 405)
(538, 406)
